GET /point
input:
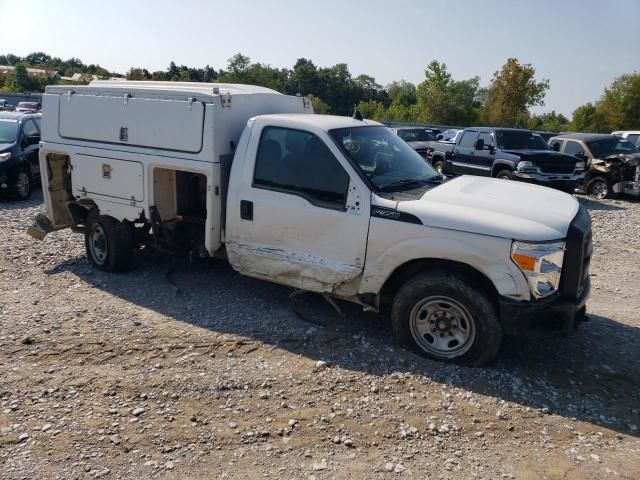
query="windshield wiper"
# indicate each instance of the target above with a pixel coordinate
(410, 181)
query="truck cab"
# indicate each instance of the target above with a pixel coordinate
(338, 206)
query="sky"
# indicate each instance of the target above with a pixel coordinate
(579, 45)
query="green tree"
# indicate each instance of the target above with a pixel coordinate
(23, 82)
(372, 109)
(512, 91)
(319, 106)
(620, 103)
(432, 93)
(402, 92)
(550, 122)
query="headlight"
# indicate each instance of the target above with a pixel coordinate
(541, 263)
(527, 166)
(579, 166)
(5, 156)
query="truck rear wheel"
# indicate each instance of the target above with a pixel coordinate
(109, 244)
(441, 316)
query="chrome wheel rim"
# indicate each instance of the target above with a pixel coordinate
(599, 189)
(98, 244)
(23, 184)
(442, 327)
(439, 168)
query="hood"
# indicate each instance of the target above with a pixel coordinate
(498, 208)
(628, 158)
(5, 146)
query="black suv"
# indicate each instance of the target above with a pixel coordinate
(19, 145)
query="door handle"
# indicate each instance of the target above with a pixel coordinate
(246, 210)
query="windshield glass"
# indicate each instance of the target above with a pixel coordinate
(416, 135)
(28, 105)
(519, 140)
(8, 131)
(611, 146)
(385, 159)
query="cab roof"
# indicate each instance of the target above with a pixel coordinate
(324, 122)
(585, 137)
(195, 88)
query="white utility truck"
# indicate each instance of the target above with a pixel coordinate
(334, 205)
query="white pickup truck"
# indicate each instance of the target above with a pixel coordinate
(335, 205)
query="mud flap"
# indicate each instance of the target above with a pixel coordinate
(41, 227)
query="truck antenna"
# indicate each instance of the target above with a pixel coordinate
(357, 115)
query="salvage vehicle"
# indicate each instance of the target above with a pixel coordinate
(28, 107)
(19, 163)
(417, 138)
(613, 163)
(334, 205)
(508, 154)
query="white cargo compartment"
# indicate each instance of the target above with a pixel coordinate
(143, 122)
(108, 177)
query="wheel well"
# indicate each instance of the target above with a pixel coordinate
(407, 270)
(499, 168)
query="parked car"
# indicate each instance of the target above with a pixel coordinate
(510, 154)
(3, 105)
(417, 138)
(613, 163)
(19, 144)
(450, 135)
(29, 107)
(334, 205)
(632, 136)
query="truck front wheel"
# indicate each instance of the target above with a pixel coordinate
(441, 316)
(109, 243)
(438, 166)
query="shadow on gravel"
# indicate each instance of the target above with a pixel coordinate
(594, 375)
(33, 201)
(606, 205)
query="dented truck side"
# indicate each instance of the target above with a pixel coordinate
(333, 205)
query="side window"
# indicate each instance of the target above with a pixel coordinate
(488, 139)
(38, 121)
(573, 148)
(468, 139)
(556, 145)
(298, 162)
(28, 129)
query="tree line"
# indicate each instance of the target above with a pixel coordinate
(439, 99)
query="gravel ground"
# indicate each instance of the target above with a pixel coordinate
(179, 370)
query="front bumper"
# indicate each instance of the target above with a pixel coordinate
(631, 188)
(554, 180)
(554, 315)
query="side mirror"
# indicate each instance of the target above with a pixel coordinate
(439, 137)
(555, 147)
(479, 145)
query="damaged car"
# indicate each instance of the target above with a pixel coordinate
(613, 163)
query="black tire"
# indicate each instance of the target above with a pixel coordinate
(505, 174)
(439, 288)
(22, 186)
(109, 243)
(599, 187)
(438, 166)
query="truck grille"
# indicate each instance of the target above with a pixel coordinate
(577, 258)
(555, 165)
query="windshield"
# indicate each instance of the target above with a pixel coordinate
(416, 135)
(519, 140)
(8, 131)
(28, 105)
(611, 146)
(385, 159)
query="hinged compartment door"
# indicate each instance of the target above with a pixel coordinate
(142, 122)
